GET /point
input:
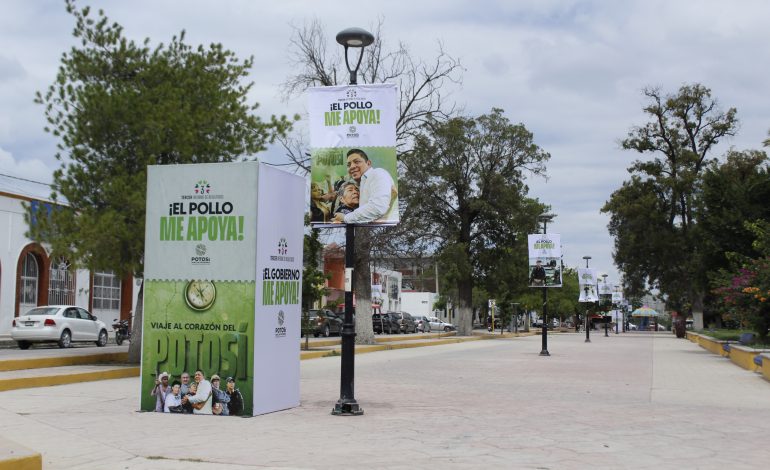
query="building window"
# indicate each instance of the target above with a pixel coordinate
(29, 278)
(106, 291)
(61, 283)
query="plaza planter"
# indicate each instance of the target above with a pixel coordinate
(744, 356)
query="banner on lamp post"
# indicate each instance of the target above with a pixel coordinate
(617, 298)
(545, 267)
(587, 281)
(606, 288)
(353, 175)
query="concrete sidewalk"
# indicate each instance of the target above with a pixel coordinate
(626, 401)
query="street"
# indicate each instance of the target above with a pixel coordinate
(635, 400)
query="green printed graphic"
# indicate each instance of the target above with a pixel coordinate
(198, 325)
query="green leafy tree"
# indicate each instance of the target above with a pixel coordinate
(661, 198)
(118, 106)
(743, 293)
(313, 280)
(464, 188)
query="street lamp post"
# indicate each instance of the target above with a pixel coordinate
(588, 333)
(617, 309)
(347, 404)
(605, 318)
(545, 218)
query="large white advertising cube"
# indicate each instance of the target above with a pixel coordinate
(223, 281)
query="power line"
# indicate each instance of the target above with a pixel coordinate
(25, 179)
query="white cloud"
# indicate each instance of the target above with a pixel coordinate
(570, 70)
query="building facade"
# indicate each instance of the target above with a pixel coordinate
(31, 275)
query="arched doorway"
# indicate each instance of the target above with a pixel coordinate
(31, 278)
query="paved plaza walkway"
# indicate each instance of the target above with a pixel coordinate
(635, 400)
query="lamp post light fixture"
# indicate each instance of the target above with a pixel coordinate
(347, 404)
(545, 218)
(588, 333)
(356, 38)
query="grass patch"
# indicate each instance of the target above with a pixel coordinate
(734, 335)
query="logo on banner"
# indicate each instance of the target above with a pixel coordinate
(202, 187)
(280, 330)
(352, 132)
(283, 249)
(200, 255)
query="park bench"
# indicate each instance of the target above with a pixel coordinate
(744, 340)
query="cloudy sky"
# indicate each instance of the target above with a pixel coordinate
(571, 71)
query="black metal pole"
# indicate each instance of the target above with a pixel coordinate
(588, 332)
(347, 404)
(605, 328)
(544, 350)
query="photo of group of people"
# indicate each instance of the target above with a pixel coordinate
(199, 396)
(545, 273)
(358, 193)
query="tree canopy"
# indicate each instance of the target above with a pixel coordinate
(118, 106)
(663, 193)
(465, 192)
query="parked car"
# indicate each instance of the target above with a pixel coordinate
(406, 323)
(63, 324)
(439, 325)
(385, 323)
(325, 322)
(422, 322)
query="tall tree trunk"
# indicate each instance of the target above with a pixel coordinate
(465, 310)
(135, 345)
(697, 310)
(363, 286)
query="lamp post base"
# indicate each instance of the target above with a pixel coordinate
(347, 408)
(545, 352)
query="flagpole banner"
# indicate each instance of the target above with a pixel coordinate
(545, 266)
(353, 176)
(589, 296)
(606, 288)
(587, 278)
(617, 298)
(201, 285)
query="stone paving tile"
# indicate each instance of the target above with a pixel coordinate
(626, 401)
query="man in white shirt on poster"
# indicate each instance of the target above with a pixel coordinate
(201, 401)
(377, 202)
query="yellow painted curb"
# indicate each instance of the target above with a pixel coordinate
(17, 457)
(30, 462)
(45, 362)
(49, 380)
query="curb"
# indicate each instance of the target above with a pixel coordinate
(62, 379)
(17, 457)
(46, 362)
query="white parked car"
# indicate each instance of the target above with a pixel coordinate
(62, 324)
(438, 325)
(422, 322)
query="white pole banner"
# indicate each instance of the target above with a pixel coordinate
(617, 298)
(544, 260)
(353, 176)
(606, 288)
(589, 296)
